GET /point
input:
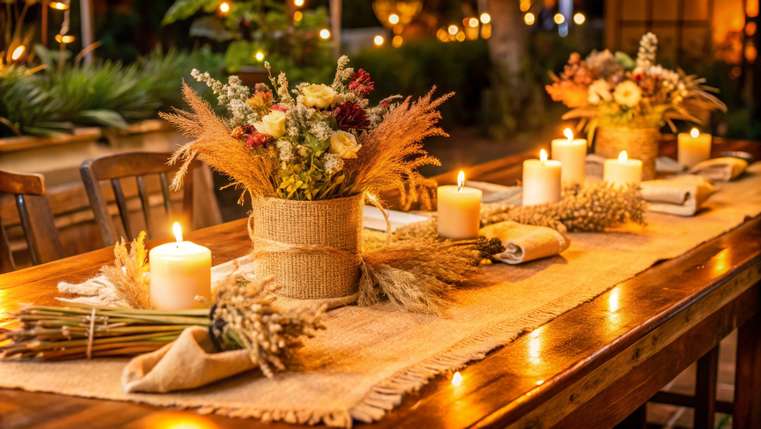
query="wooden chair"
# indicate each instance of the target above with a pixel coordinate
(140, 165)
(35, 217)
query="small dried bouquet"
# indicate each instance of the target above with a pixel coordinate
(311, 142)
(606, 89)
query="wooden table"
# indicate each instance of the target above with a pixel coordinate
(589, 368)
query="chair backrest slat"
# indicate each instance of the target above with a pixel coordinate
(37, 221)
(138, 165)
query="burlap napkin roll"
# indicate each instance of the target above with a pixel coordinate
(679, 195)
(525, 243)
(186, 363)
(721, 169)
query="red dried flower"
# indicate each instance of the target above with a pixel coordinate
(361, 83)
(256, 139)
(279, 107)
(349, 115)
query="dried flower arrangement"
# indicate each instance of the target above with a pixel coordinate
(312, 142)
(606, 89)
(242, 317)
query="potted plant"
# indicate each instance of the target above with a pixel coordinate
(307, 156)
(624, 102)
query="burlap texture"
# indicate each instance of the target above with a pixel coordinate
(311, 248)
(369, 357)
(639, 143)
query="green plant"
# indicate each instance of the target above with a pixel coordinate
(255, 30)
(25, 106)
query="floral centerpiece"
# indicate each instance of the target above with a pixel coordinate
(626, 101)
(307, 156)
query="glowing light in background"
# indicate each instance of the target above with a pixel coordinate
(473, 22)
(259, 56)
(456, 379)
(452, 30)
(379, 40)
(558, 18)
(393, 19)
(298, 3)
(18, 52)
(65, 39)
(525, 5)
(397, 41)
(298, 16)
(485, 18)
(224, 8)
(59, 5)
(579, 18)
(324, 34)
(529, 19)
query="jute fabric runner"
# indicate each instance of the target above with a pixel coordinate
(369, 357)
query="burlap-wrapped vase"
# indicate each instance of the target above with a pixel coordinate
(639, 143)
(310, 248)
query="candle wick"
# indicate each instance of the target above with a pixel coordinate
(459, 187)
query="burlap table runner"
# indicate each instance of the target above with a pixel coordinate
(369, 357)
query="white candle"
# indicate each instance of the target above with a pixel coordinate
(622, 171)
(694, 147)
(541, 180)
(572, 154)
(180, 272)
(459, 210)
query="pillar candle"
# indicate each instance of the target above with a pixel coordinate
(541, 180)
(459, 210)
(694, 147)
(572, 154)
(180, 271)
(622, 171)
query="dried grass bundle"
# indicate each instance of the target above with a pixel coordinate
(213, 144)
(129, 272)
(393, 151)
(416, 274)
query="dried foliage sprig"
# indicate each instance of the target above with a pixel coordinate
(213, 144)
(592, 208)
(243, 318)
(416, 274)
(393, 151)
(128, 274)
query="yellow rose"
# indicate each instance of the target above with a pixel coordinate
(317, 95)
(627, 93)
(344, 144)
(272, 124)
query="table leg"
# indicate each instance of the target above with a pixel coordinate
(747, 412)
(705, 390)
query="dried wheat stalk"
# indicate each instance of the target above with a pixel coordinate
(129, 272)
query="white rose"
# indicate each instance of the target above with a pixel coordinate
(317, 95)
(627, 93)
(272, 124)
(598, 92)
(344, 144)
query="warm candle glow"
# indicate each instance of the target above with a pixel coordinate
(177, 231)
(460, 180)
(456, 379)
(543, 155)
(59, 5)
(324, 34)
(224, 8)
(694, 133)
(623, 156)
(568, 133)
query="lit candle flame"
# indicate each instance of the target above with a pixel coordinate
(456, 379)
(568, 133)
(460, 180)
(177, 231)
(543, 155)
(694, 133)
(623, 156)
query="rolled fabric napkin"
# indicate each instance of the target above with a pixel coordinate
(722, 169)
(186, 363)
(679, 195)
(525, 243)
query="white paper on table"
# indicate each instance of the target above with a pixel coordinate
(373, 219)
